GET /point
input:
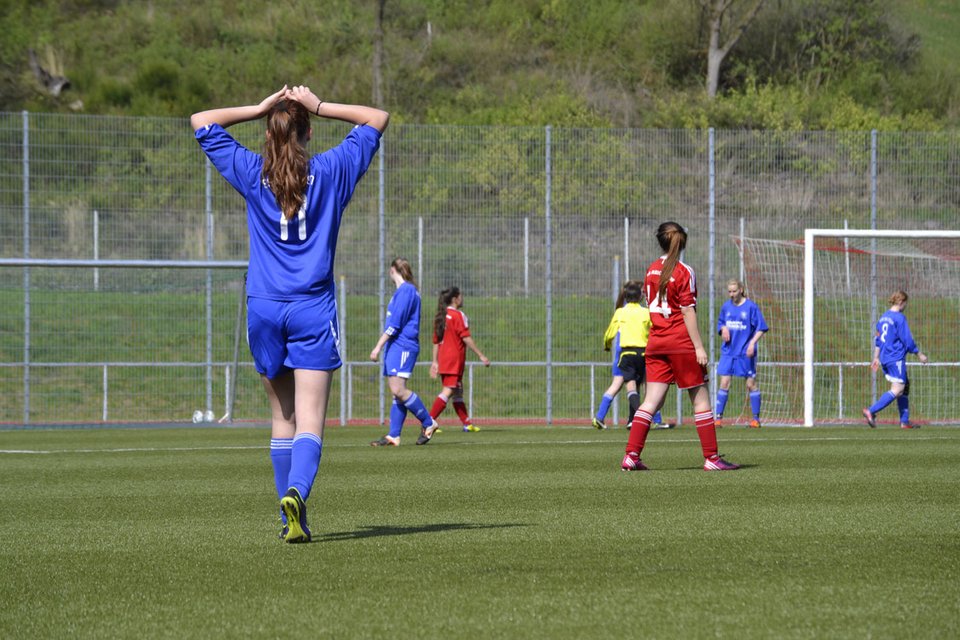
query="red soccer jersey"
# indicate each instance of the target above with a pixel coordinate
(452, 353)
(669, 333)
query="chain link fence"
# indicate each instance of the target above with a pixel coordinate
(538, 227)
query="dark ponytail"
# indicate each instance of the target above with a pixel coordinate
(285, 156)
(440, 320)
(672, 239)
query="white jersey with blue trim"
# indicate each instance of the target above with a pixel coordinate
(292, 259)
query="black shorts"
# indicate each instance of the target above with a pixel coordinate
(632, 364)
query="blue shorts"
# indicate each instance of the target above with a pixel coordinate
(399, 361)
(896, 371)
(299, 334)
(740, 366)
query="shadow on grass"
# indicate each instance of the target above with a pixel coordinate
(376, 531)
(742, 467)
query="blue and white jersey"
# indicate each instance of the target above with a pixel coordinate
(292, 259)
(894, 338)
(403, 317)
(742, 322)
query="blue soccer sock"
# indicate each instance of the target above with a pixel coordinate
(415, 405)
(305, 462)
(721, 401)
(604, 407)
(657, 418)
(398, 413)
(755, 404)
(882, 403)
(903, 404)
(280, 450)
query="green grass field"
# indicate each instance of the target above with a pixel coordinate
(507, 533)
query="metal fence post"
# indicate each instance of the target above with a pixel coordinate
(743, 236)
(626, 249)
(873, 252)
(381, 257)
(711, 262)
(343, 349)
(96, 249)
(26, 270)
(106, 391)
(548, 285)
(526, 256)
(208, 208)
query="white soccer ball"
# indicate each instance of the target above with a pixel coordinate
(197, 416)
(208, 416)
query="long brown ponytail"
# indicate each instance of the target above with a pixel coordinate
(672, 239)
(285, 156)
(440, 320)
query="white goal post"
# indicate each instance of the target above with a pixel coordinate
(809, 253)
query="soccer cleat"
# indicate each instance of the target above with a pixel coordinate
(631, 462)
(662, 425)
(598, 425)
(427, 432)
(295, 510)
(386, 441)
(718, 423)
(284, 529)
(716, 463)
(909, 425)
(870, 418)
(467, 428)
(754, 424)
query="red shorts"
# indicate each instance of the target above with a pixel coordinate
(452, 380)
(681, 369)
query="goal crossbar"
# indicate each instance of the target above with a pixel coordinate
(809, 237)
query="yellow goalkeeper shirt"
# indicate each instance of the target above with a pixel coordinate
(633, 323)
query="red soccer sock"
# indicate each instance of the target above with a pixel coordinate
(438, 406)
(639, 427)
(461, 410)
(707, 432)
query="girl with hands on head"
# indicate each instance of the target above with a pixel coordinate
(295, 203)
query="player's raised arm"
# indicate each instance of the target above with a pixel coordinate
(357, 114)
(227, 116)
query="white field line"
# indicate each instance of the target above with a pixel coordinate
(692, 438)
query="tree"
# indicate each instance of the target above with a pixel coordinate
(378, 57)
(716, 52)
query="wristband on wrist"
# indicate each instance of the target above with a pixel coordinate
(317, 112)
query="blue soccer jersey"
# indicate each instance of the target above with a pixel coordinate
(403, 317)
(742, 322)
(894, 338)
(292, 259)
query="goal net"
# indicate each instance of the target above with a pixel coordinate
(822, 296)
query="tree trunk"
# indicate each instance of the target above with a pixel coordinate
(378, 57)
(716, 52)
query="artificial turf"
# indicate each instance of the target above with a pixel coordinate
(505, 533)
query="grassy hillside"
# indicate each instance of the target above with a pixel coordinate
(604, 63)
